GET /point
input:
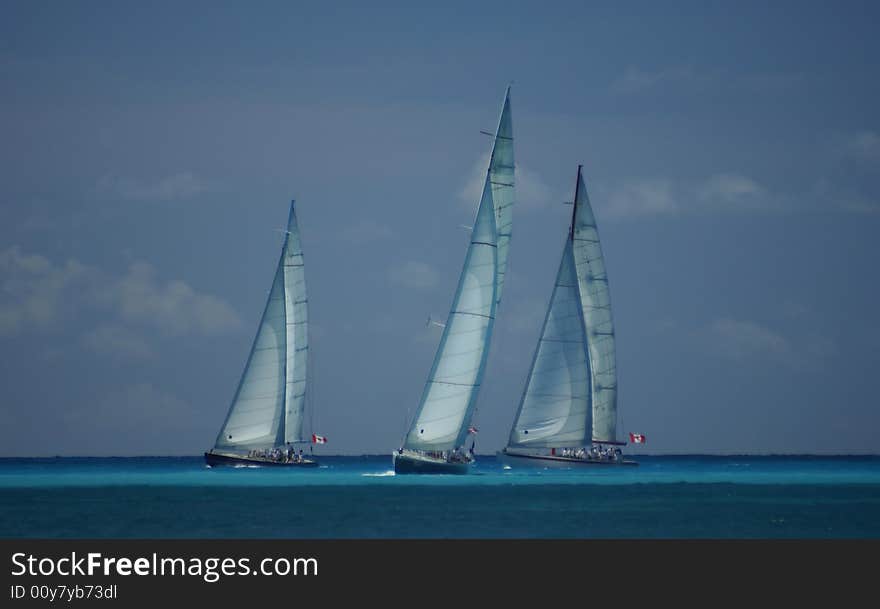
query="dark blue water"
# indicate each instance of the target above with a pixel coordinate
(355, 497)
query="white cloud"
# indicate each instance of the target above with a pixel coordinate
(173, 306)
(413, 274)
(858, 204)
(37, 293)
(642, 197)
(729, 192)
(864, 145)
(729, 187)
(531, 191)
(178, 186)
(116, 340)
(743, 340)
(739, 339)
(473, 188)
(33, 291)
(635, 79)
(847, 199)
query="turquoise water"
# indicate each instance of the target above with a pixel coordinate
(682, 497)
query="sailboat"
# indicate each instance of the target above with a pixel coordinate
(264, 424)
(435, 442)
(567, 415)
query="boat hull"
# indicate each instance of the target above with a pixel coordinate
(219, 459)
(555, 462)
(414, 464)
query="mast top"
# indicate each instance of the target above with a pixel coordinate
(577, 188)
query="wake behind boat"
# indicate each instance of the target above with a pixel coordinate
(435, 442)
(265, 420)
(567, 416)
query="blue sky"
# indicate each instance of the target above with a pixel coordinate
(149, 151)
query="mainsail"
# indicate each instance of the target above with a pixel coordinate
(267, 409)
(570, 397)
(598, 323)
(450, 393)
(501, 180)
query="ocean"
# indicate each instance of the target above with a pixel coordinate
(360, 497)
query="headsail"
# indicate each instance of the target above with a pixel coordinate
(450, 394)
(596, 304)
(570, 395)
(555, 408)
(267, 409)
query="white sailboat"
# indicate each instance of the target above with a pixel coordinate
(264, 424)
(435, 442)
(568, 412)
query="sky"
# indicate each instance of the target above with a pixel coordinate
(149, 151)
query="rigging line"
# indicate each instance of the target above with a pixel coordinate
(450, 383)
(474, 314)
(561, 396)
(272, 348)
(496, 136)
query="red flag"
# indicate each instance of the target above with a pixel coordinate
(472, 429)
(637, 438)
(316, 439)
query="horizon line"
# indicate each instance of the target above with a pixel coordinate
(492, 455)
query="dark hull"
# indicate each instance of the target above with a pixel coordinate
(215, 459)
(515, 459)
(408, 464)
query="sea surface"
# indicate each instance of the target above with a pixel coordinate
(360, 497)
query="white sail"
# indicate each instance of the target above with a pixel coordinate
(596, 303)
(297, 317)
(451, 390)
(570, 398)
(267, 409)
(501, 176)
(555, 407)
(255, 415)
(450, 394)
